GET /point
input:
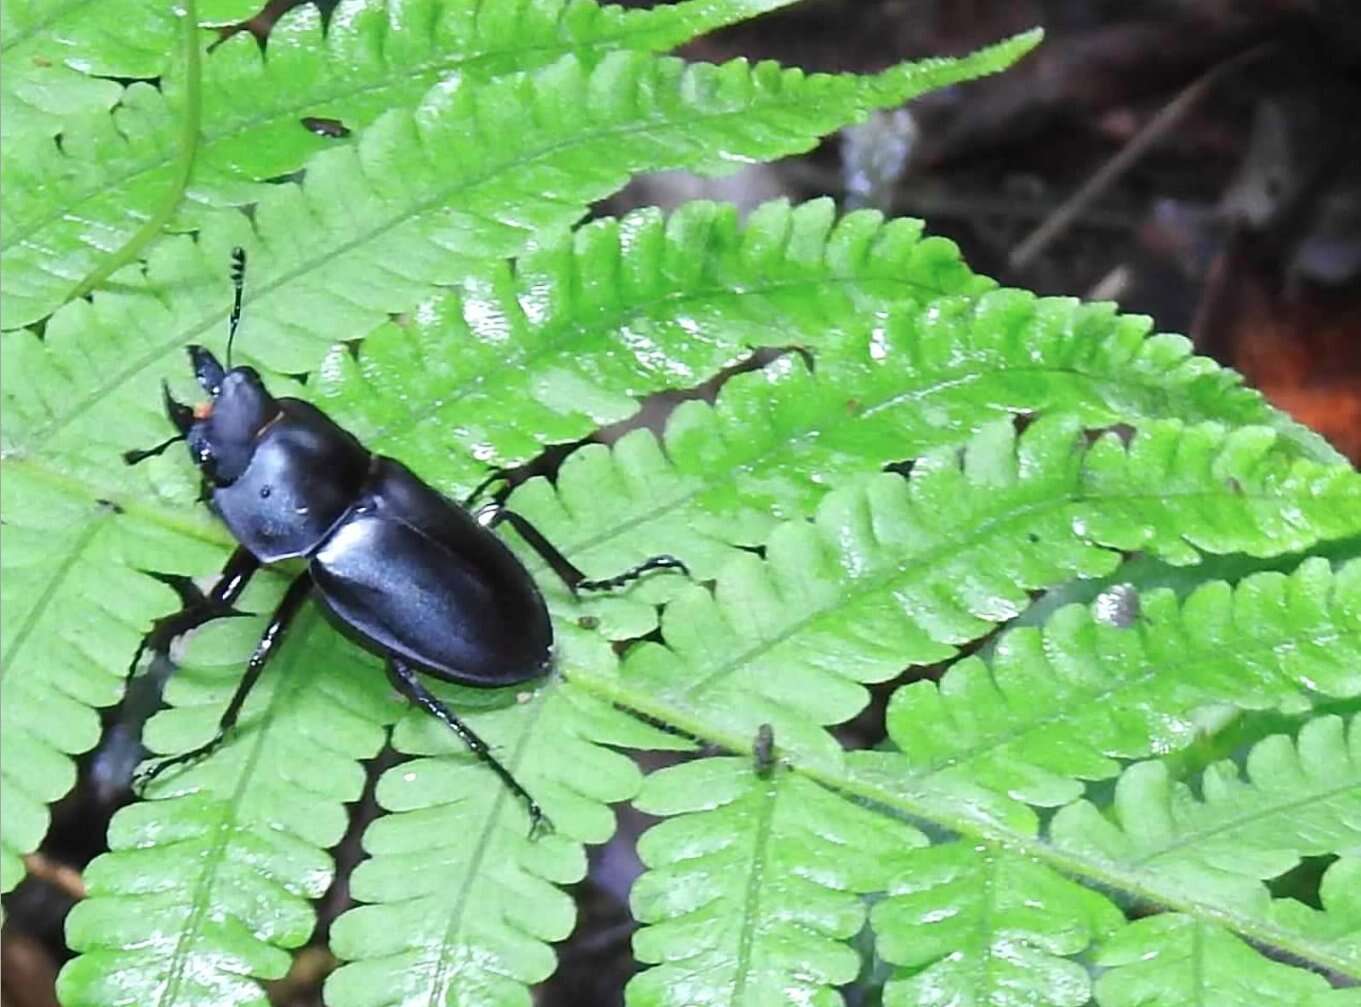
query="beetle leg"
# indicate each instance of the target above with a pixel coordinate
(198, 607)
(142, 454)
(662, 562)
(493, 514)
(405, 681)
(496, 475)
(180, 415)
(264, 650)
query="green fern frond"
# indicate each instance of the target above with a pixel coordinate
(792, 686)
(946, 918)
(76, 603)
(208, 886)
(1056, 706)
(894, 572)
(87, 392)
(1300, 798)
(466, 177)
(909, 350)
(575, 332)
(111, 170)
(752, 885)
(1027, 442)
(972, 924)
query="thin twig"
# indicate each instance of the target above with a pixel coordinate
(61, 876)
(1058, 222)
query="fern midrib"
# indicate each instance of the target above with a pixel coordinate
(62, 570)
(1239, 821)
(159, 350)
(956, 818)
(439, 68)
(751, 896)
(439, 986)
(201, 900)
(170, 199)
(1198, 962)
(987, 904)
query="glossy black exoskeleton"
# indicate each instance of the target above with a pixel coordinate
(400, 569)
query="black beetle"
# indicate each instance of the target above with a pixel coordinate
(400, 569)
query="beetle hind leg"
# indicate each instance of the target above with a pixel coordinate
(404, 679)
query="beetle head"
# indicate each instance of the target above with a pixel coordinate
(222, 432)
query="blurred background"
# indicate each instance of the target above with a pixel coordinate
(1198, 161)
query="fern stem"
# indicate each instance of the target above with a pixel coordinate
(957, 819)
(189, 137)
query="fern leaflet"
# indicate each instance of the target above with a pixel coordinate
(89, 192)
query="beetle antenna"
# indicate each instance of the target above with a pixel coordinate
(238, 285)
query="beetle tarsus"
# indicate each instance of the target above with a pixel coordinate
(143, 777)
(137, 455)
(571, 576)
(663, 562)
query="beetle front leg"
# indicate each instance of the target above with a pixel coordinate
(493, 514)
(180, 415)
(269, 643)
(404, 679)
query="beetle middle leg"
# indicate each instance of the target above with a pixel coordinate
(198, 608)
(269, 643)
(405, 680)
(493, 514)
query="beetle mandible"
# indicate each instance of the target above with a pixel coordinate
(400, 569)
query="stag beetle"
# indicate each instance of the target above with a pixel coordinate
(398, 568)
